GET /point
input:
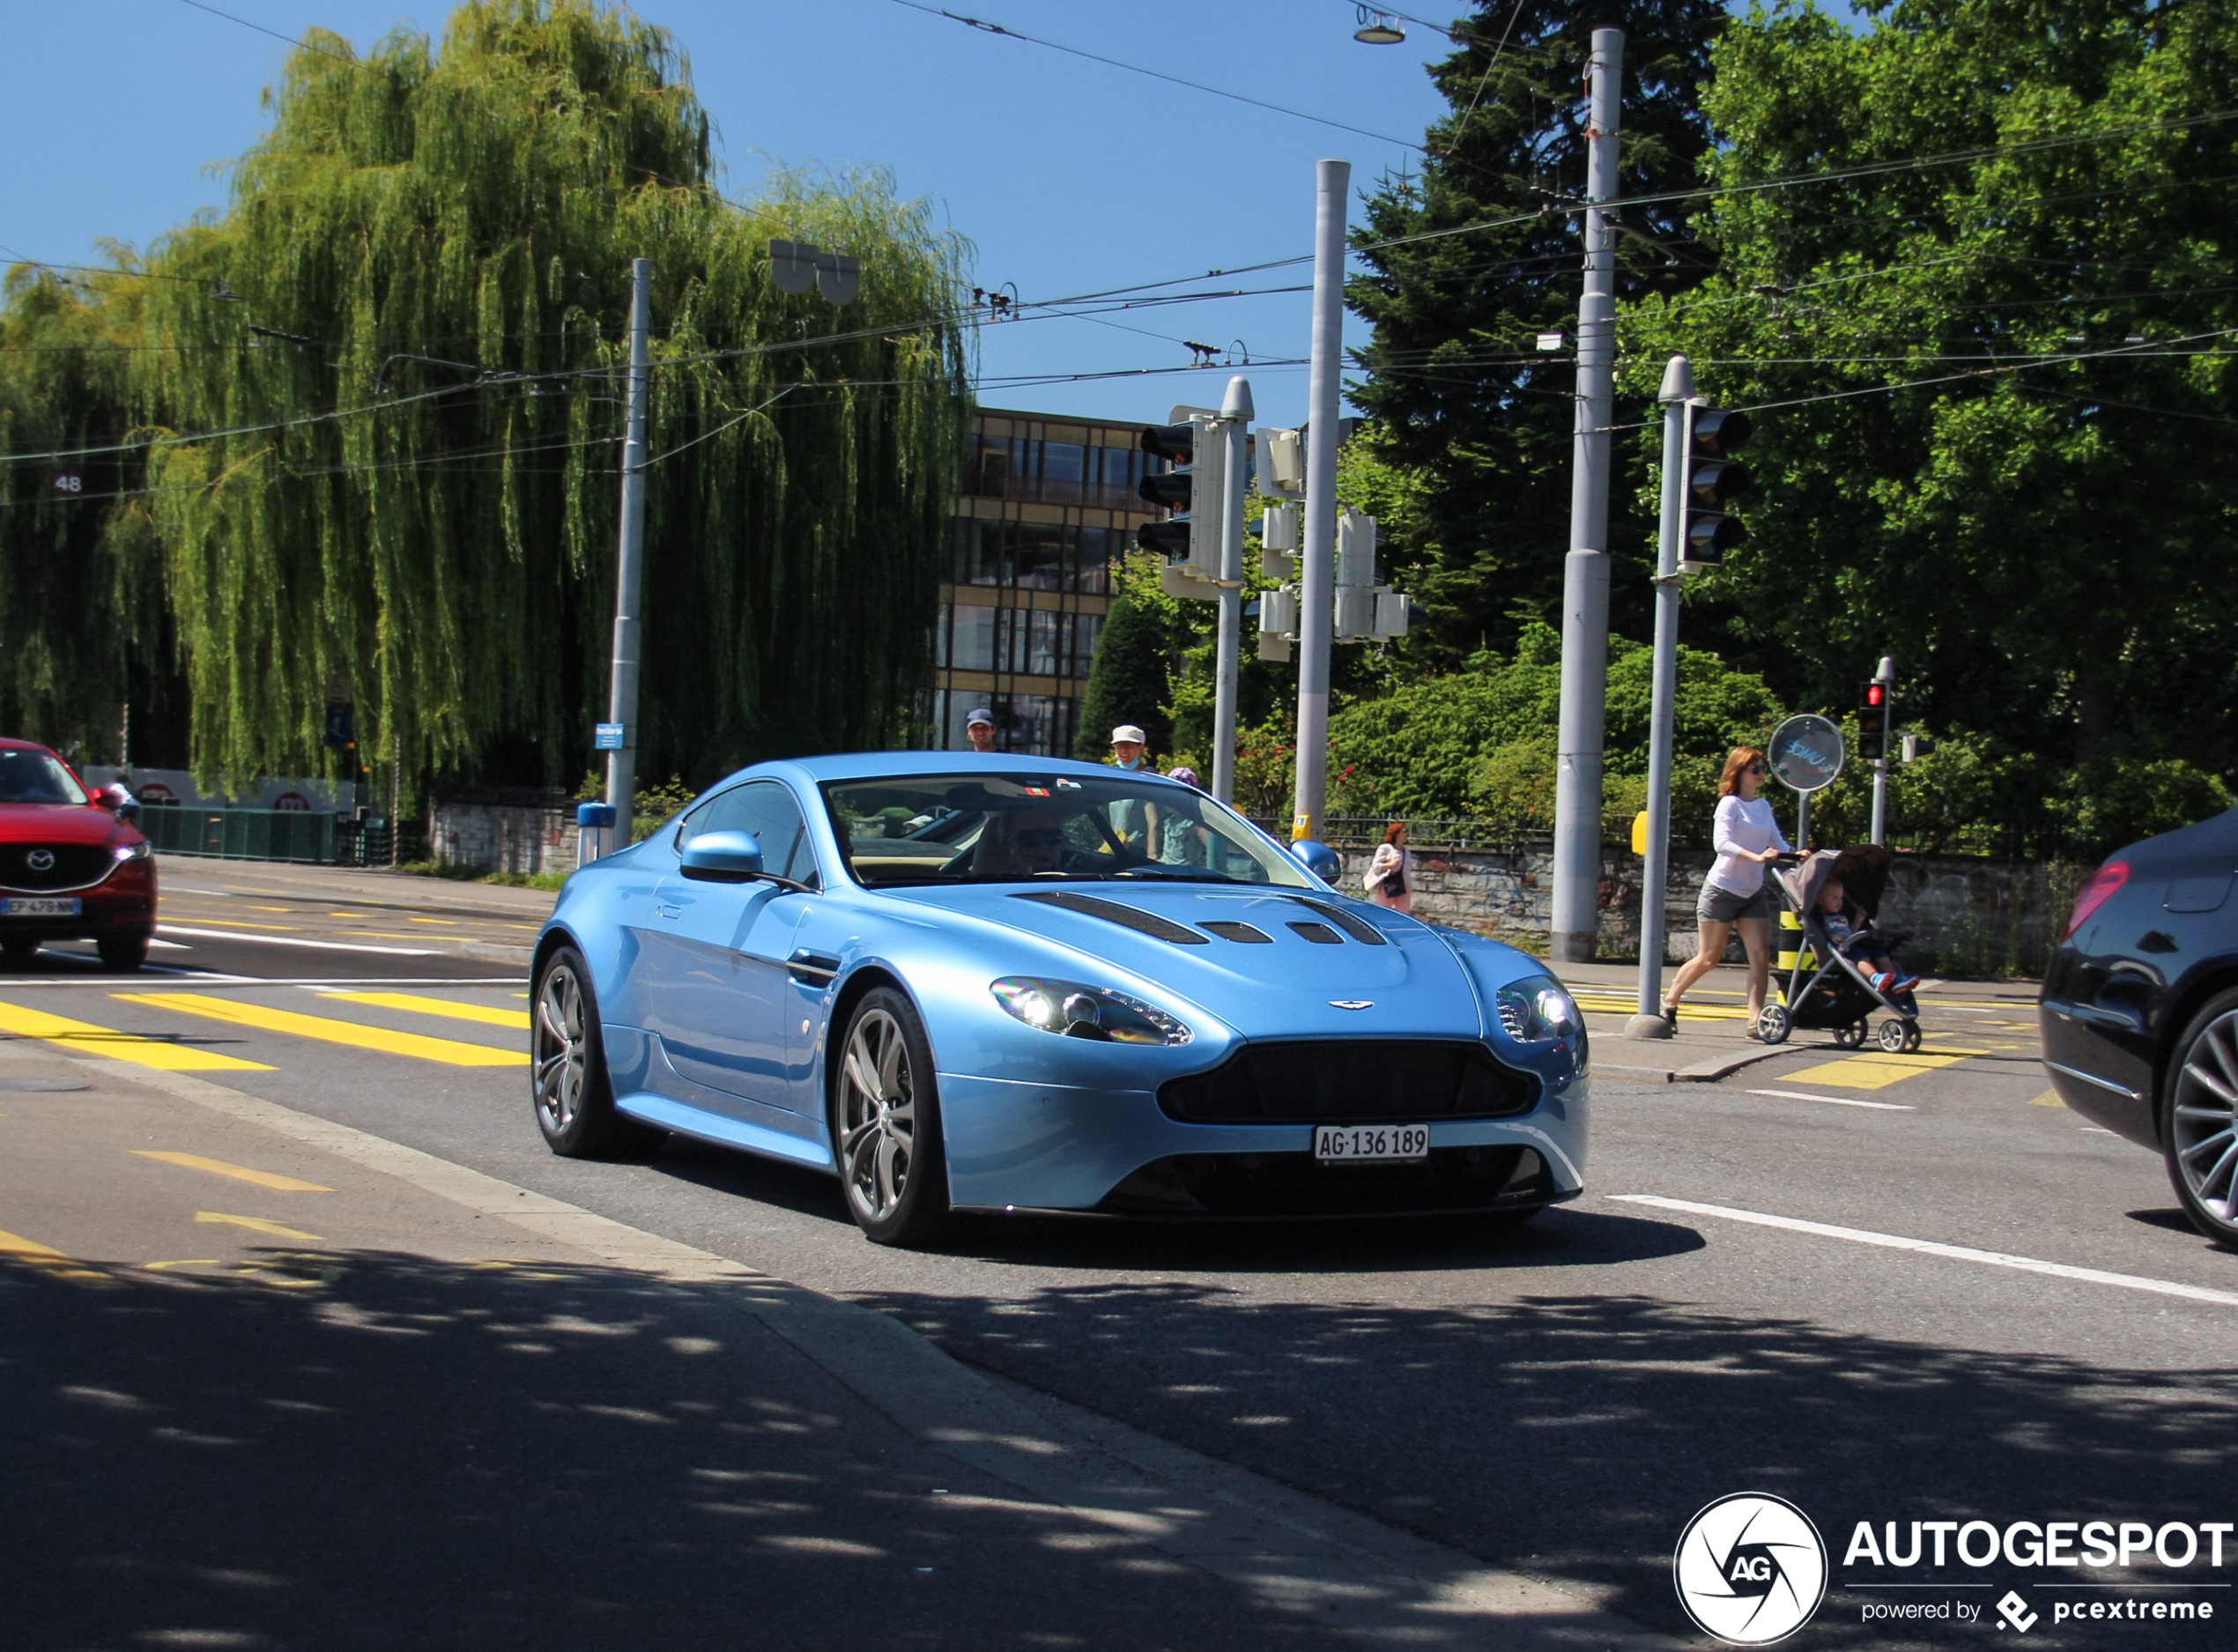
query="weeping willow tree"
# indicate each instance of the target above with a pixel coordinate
(407, 333)
(82, 626)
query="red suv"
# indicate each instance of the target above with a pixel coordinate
(72, 867)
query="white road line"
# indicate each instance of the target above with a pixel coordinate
(1930, 1248)
(1837, 1100)
(289, 940)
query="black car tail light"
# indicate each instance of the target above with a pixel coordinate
(2095, 894)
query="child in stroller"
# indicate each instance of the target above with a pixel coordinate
(1844, 970)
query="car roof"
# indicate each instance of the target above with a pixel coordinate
(12, 743)
(844, 766)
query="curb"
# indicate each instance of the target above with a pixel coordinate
(1706, 1071)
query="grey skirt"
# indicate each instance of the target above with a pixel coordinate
(1719, 904)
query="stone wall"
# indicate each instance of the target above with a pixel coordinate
(1962, 915)
(503, 838)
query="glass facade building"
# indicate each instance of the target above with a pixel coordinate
(1048, 508)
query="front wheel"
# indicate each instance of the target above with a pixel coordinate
(567, 1080)
(1773, 1023)
(885, 1123)
(18, 953)
(2199, 1131)
(122, 951)
(1898, 1036)
(1851, 1036)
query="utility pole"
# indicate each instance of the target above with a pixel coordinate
(1676, 396)
(1318, 566)
(1585, 572)
(1235, 414)
(629, 577)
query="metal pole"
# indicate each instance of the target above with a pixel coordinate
(1235, 415)
(1677, 437)
(1317, 567)
(1886, 677)
(629, 577)
(1585, 572)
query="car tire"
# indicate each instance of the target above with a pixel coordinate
(122, 951)
(17, 954)
(885, 1123)
(2199, 1119)
(568, 1085)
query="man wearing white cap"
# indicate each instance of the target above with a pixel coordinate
(979, 729)
(1127, 744)
(1128, 817)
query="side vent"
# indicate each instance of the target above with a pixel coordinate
(1111, 911)
(1319, 934)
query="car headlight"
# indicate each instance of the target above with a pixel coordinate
(138, 851)
(1537, 1008)
(1072, 1010)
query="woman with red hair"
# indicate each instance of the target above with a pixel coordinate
(1746, 836)
(1391, 875)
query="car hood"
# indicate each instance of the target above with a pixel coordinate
(1412, 985)
(55, 823)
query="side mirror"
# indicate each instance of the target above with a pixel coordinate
(118, 801)
(723, 857)
(1319, 859)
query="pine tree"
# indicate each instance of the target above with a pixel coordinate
(1130, 681)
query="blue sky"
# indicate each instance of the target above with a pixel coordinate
(1066, 175)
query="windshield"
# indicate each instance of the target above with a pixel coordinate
(1044, 828)
(35, 777)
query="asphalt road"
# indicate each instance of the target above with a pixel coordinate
(1888, 1291)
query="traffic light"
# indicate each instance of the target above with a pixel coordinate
(1189, 488)
(1712, 481)
(1873, 722)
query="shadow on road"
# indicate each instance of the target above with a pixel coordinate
(379, 1450)
(1574, 1436)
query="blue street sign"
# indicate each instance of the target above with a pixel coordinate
(610, 737)
(337, 724)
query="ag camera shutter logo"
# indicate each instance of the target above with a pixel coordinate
(1750, 1569)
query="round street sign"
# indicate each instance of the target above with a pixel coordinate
(1805, 752)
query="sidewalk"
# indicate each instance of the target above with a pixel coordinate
(280, 1381)
(1712, 1041)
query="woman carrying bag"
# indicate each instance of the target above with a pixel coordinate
(1391, 875)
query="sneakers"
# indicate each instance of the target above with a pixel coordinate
(1890, 984)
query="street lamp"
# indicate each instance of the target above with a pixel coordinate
(1378, 28)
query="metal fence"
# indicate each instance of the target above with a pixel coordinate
(241, 834)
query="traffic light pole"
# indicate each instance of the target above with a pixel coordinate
(1886, 677)
(1235, 415)
(1676, 396)
(1317, 569)
(1585, 573)
(629, 577)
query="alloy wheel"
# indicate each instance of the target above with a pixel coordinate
(562, 1048)
(877, 1115)
(2205, 1122)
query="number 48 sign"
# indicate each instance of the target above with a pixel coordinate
(68, 482)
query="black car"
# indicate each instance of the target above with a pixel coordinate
(2140, 1011)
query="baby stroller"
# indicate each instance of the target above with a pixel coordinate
(1825, 990)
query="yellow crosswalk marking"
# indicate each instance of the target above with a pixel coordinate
(450, 1052)
(235, 923)
(138, 1048)
(2048, 1098)
(46, 1259)
(1878, 1069)
(257, 1224)
(239, 1173)
(453, 922)
(488, 1015)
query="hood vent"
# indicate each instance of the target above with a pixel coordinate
(1319, 934)
(1129, 917)
(1244, 932)
(1366, 934)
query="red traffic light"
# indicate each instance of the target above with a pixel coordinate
(1874, 697)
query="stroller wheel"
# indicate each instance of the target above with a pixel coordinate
(1773, 1023)
(1911, 1035)
(1897, 1036)
(1852, 1036)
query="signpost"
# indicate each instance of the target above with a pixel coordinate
(1805, 756)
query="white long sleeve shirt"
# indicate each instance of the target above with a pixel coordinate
(1742, 828)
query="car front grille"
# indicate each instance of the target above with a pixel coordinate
(74, 865)
(1350, 1081)
(1273, 1185)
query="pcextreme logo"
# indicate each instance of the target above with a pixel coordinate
(1750, 1569)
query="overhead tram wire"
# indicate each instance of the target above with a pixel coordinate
(299, 45)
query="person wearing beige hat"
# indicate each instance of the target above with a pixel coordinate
(1127, 744)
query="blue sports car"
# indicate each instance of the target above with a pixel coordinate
(960, 981)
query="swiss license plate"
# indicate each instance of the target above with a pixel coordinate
(1370, 1144)
(38, 906)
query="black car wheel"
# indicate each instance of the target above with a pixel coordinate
(2199, 1130)
(567, 1080)
(122, 951)
(16, 953)
(885, 1123)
